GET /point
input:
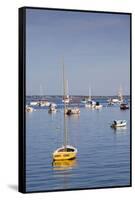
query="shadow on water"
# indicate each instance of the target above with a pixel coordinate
(13, 187)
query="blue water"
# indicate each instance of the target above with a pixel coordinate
(103, 157)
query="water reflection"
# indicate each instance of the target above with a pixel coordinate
(64, 164)
(120, 129)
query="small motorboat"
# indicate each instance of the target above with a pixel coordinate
(124, 106)
(119, 123)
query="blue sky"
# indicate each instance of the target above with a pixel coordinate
(95, 48)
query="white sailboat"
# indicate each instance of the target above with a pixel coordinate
(66, 152)
(120, 96)
(98, 106)
(66, 98)
(118, 100)
(90, 103)
(52, 108)
(42, 102)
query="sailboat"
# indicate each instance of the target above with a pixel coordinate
(90, 103)
(66, 152)
(120, 96)
(42, 102)
(118, 100)
(52, 108)
(66, 98)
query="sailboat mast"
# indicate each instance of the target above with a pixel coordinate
(89, 93)
(65, 121)
(120, 94)
(40, 92)
(67, 92)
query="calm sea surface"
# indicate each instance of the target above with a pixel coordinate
(103, 157)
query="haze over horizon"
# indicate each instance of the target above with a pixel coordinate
(95, 47)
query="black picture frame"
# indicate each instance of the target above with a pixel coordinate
(22, 98)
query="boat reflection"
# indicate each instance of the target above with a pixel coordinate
(120, 129)
(64, 164)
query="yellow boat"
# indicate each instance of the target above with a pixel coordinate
(66, 152)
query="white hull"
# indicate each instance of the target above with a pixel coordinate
(119, 123)
(114, 101)
(33, 103)
(89, 106)
(98, 107)
(66, 101)
(52, 109)
(84, 102)
(54, 104)
(44, 103)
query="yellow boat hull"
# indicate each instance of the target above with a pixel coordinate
(61, 154)
(64, 156)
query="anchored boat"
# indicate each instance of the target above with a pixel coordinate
(42, 101)
(66, 152)
(72, 111)
(52, 108)
(90, 103)
(66, 98)
(84, 101)
(29, 109)
(124, 106)
(118, 100)
(98, 106)
(119, 123)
